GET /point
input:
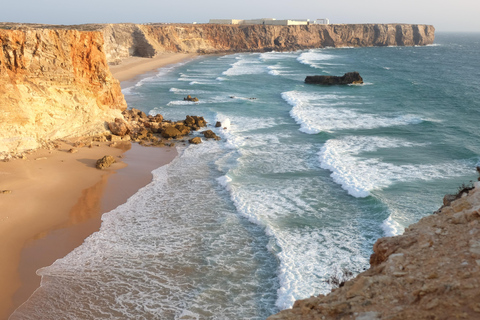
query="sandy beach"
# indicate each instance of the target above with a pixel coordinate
(135, 66)
(55, 198)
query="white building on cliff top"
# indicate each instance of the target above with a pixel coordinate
(264, 21)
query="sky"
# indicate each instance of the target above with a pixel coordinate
(452, 15)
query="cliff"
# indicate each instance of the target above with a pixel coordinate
(55, 80)
(432, 271)
(53, 84)
(147, 40)
(123, 40)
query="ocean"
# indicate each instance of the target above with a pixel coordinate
(304, 181)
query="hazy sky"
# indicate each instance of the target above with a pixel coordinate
(453, 15)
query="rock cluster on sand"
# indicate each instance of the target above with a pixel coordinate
(432, 271)
(154, 130)
(347, 78)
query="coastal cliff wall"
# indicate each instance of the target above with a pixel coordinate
(432, 271)
(55, 80)
(53, 84)
(124, 40)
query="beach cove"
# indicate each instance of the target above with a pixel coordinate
(245, 226)
(67, 196)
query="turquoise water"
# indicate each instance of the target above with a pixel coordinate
(304, 181)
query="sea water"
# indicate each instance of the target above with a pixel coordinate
(303, 182)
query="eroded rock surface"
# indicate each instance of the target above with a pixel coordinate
(149, 40)
(54, 84)
(126, 39)
(432, 271)
(105, 162)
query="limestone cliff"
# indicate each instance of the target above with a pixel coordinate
(53, 84)
(123, 40)
(432, 271)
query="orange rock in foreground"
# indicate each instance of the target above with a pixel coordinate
(432, 271)
(54, 84)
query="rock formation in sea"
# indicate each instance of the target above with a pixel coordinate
(432, 271)
(54, 84)
(347, 78)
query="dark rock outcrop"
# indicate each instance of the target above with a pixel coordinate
(347, 78)
(150, 130)
(105, 162)
(171, 132)
(196, 140)
(209, 134)
(190, 98)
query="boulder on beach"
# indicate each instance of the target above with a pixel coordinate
(105, 162)
(347, 78)
(119, 127)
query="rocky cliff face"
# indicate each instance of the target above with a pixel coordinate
(53, 84)
(123, 40)
(432, 271)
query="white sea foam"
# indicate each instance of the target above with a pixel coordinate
(316, 58)
(187, 91)
(268, 56)
(245, 66)
(308, 255)
(224, 181)
(277, 70)
(157, 77)
(325, 113)
(359, 176)
(391, 227)
(274, 72)
(128, 91)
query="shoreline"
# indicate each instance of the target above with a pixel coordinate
(112, 190)
(132, 67)
(67, 196)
